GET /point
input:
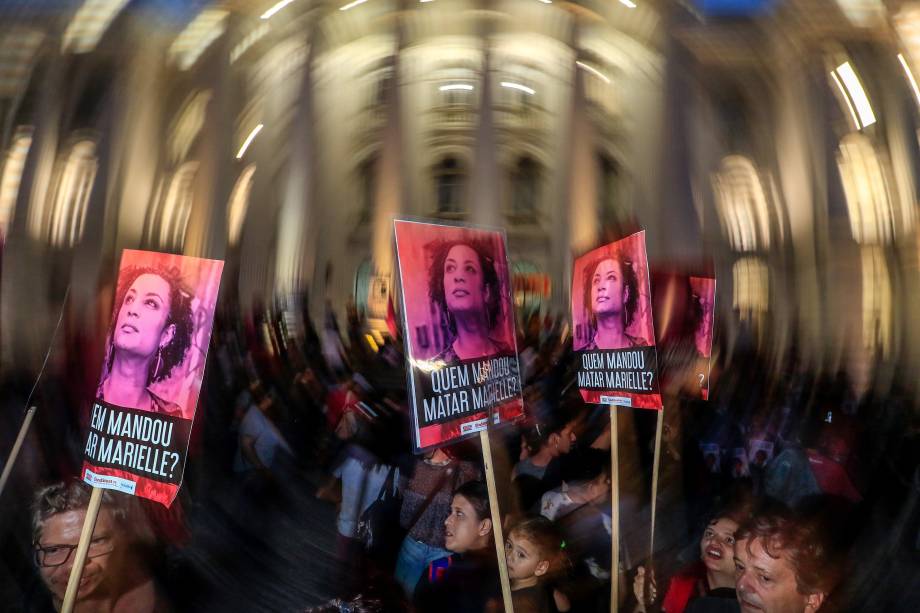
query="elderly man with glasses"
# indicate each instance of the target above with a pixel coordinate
(115, 578)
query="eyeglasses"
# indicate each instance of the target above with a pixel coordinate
(55, 555)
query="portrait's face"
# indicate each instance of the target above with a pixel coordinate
(60, 535)
(766, 584)
(464, 285)
(523, 557)
(608, 292)
(141, 325)
(717, 545)
(462, 528)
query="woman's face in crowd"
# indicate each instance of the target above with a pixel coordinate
(464, 286)
(607, 288)
(63, 530)
(141, 326)
(717, 545)
(462, 528)
(522, 557)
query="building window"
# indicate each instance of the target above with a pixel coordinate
(13, 166)
(449, 179)
(868, 201)
(751, 284)
(742, 204)
(877, 308)
(524, 190)
(167, 228)
(71, 199)
(239, 203)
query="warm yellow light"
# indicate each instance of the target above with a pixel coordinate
(197, 37)
(371, 342)
(352, 5)
(519, 87)
(857, 94)
(846, 98)
(248, 141)
(273, 10)
(910, 77)
(597, 73)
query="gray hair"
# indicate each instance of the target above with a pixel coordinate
(70, 496)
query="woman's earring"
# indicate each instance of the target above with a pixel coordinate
(156, 371)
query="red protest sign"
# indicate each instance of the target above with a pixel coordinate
(459, 322)
(156, 347)
(704, 299)
(614, 337)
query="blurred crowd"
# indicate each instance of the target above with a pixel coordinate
(785, 491)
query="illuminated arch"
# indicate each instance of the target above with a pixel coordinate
(239, 203)
(742, 204)
(71, 197)
(13, 166)
(173, 208)
(867, 192)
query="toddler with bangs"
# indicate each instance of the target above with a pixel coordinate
(535, 555)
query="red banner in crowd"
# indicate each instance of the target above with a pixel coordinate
(459, 328)
(151, 376)
(614, 337)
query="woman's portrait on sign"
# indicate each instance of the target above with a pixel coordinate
(159, 331)
(464, 284)
(610, 297)
(456, 292)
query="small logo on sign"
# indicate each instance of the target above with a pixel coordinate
(621, 401)
(474, 426)
(108, 482)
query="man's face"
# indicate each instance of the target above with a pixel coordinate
(99, 571)
(463, 530)
(766, 584)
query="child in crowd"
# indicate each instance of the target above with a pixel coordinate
(535, 555)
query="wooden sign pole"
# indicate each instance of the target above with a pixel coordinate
(497, 531)
(86, 537)
(614, 512)
(656, 468)
(20, 438)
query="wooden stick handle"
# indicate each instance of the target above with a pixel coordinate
(86, 537)
(614, 512)
(497, 531)
(656, 468)
(14, 453)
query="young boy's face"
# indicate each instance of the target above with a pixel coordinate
(463, 530)
(523, 558)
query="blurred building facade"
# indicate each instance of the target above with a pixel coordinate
(779, 151)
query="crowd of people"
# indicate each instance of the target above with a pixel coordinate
(784, 492)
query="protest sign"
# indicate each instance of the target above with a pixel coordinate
(459, 330)
(156, 346)
(704, 296)
(614, 336)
